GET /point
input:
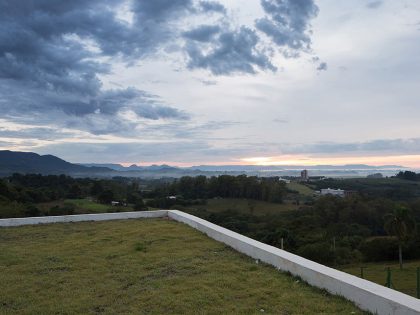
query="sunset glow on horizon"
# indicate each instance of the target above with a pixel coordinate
(410, 161)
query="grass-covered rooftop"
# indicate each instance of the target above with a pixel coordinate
(148, 266)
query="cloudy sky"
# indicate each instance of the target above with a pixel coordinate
(190, 82)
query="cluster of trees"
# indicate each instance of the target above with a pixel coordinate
(334, 230)
(20, 195)
(408, 175)
(224, 186)
(390, 188)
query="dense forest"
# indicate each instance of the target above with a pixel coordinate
(327, 229)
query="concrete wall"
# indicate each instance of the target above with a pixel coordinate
(83, 217)
(367, 295)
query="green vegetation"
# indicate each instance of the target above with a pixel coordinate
(78, 206)
(400, 224)
(330, 230)
(245, 206)
(396, 188)
(225, 186)
(402, 280)
(143, 267)
(37, 195)
(87, 204)
(301, 189)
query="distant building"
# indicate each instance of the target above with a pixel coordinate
(349, 193)
(115, 203)
(304, 175)
(287, 181)
(171, 197)
(333, 192)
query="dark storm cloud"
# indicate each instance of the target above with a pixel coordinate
(229, 52)
(374, 4)
(48, 70)
(203, 33)
(212, 6)
(287, 23)
(98, 114)
(52, 54)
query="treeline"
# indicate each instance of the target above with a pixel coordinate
(332, 231)
(390, 188)
(225, 186)
(37, 188)
(21, 195)
(408, 175)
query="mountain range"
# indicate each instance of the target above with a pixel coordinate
(28, 162)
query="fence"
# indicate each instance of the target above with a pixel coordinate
(406, 280)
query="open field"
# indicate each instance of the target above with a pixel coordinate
(82, 206)
(143, 267)
(403, 280)
(87, 204)
(244, 206)
(301, 189)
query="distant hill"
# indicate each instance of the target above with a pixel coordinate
(115, 167)
(28, 162)
(32, 163)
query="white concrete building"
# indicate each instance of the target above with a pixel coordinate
(333, 192)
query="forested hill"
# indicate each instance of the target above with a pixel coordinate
(28, 162)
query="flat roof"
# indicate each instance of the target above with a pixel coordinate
(143, 266)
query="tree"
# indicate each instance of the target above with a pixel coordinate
(96, 189)
(402, 225)
(408, 175)
(32, 211)
(106, 196)
(139, 205)
(75, 192)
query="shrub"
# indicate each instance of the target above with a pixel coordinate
(67, 209)
(319, 252)
(380, 249)
(32, 211)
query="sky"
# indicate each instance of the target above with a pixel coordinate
(190, 82)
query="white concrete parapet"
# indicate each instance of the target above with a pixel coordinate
(83, 217)
(365, 294)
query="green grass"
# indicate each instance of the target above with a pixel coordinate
(152, 266)
(87, 204)
(83, 206)
(300, 188)
(403, 280)
(243, 206)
